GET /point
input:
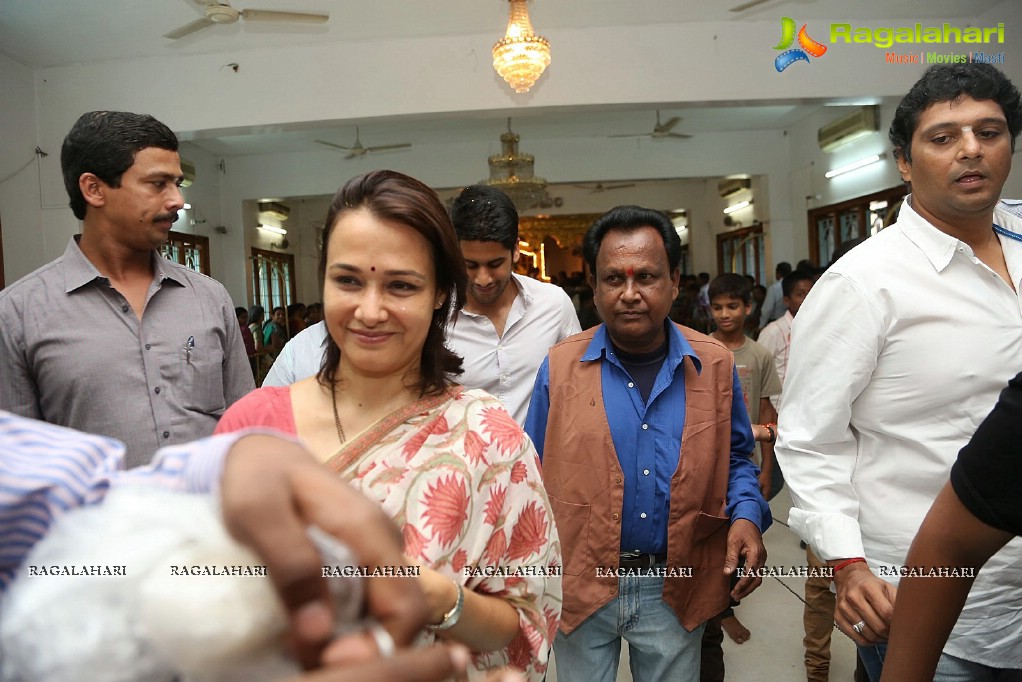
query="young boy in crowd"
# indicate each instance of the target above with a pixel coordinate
(776, 336)
(730, 298)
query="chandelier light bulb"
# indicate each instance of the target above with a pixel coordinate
(522, 56)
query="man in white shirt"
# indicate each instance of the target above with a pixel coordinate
(897, 355)
(508, 324)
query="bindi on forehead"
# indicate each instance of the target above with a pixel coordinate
(372, 268)
(630, 272)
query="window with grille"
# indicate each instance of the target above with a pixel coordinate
(742, 251)
(831, 226)
(273, 279)
(190, 250)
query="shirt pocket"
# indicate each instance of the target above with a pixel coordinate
(197, 378)
(573, 524)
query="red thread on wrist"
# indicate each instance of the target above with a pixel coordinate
(847, 562)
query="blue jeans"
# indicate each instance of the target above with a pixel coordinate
(873, 659)
(659, 648)
(949, 668)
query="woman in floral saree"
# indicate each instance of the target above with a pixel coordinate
(449, 465)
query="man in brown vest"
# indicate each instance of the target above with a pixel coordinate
(645, 444)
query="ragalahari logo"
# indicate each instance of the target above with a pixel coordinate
(808, 45)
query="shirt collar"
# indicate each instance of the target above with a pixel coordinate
(678, 347)
(938, 247)
(79, 270)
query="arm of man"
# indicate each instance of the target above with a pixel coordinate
(927, 608)
(748, 511)
(237, 372)
(767, 415)
(836, 339)
(974, 515)
(18, 391)
(539, 408)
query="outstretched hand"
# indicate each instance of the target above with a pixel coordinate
(271, 490)
(745, 540)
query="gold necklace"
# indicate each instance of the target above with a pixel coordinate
(337, 417)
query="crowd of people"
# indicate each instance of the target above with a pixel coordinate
(568, 465)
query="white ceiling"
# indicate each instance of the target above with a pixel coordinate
(42, 33)
(47, 33)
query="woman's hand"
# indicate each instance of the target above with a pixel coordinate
(441, 593)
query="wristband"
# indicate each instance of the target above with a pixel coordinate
(846, 562)
(450, 618)
(772, 428)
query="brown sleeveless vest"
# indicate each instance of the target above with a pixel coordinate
(586, 485)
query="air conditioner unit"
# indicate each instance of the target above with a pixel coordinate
(188, 170)
(732, 186)
(844, 130)
(272, 209)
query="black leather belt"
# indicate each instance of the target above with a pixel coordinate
(639, 560)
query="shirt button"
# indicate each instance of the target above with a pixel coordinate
(166, 434)
(147, 346)
(645, 472)
(124, 308)
(645, 427)
(615, 516)
(642, 515)
(156, 390)
(631, 385)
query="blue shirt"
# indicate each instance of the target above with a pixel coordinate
(647, 439)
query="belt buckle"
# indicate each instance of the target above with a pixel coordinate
(632, 557)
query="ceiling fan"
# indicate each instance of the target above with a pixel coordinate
(748, 5)
(222, 13)
(359, 150)
(661, 130)
(600, 187)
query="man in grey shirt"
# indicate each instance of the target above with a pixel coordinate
(110, 338)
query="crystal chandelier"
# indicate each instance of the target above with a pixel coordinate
(521, 56)
(511, 173)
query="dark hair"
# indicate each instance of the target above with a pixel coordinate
(628, 219)
(294, 308)
(239, 311)
(784, 267)
(486, 214)
(391, 196)
(255, 314)
(949, 83)
(845, 247)
(793, 278)
(104, 143)
(730, 284)
(280, 307)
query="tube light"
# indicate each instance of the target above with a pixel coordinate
(273, 229)
(737, 207)
(855, 165)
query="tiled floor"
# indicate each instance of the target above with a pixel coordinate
(774, 615)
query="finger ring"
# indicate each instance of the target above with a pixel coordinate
(858, 627)
(384, 642)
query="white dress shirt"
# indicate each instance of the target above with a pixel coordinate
(300, 358)
(506, 366)
(897, 355)
(776, 338)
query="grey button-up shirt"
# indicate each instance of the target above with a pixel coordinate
(73, 352)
